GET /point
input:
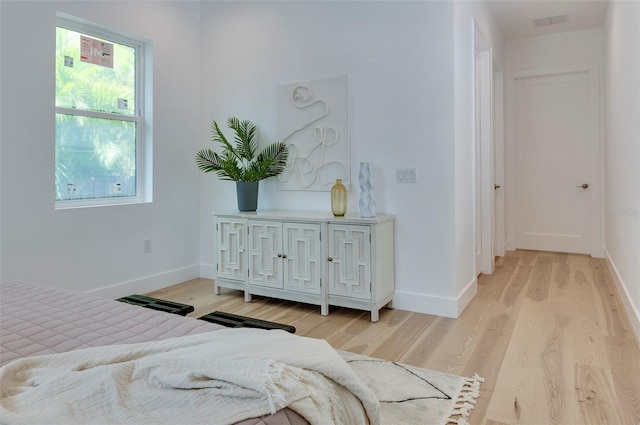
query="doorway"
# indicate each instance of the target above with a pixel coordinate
(554, 127)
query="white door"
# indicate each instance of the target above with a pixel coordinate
(553, 135)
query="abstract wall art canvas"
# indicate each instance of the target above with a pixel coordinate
(314, 120)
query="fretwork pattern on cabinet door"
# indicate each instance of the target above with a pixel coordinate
(302, 257)
(231, 249)
(265, 253)
(350, 261)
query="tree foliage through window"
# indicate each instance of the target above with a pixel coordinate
(97, 116)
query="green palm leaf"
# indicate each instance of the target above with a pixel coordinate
(245, 137)
(208, 161)
(218, 136)
(276, 156)
(240, 162)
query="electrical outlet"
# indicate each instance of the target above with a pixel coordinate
(147, 245)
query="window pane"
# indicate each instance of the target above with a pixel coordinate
(94, 87)
(95, 158)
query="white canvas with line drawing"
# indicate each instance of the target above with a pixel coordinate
(314, 121)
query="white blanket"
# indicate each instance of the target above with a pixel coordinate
(219, 377)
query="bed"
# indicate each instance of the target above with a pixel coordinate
(39, 323)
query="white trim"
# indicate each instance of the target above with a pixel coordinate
(501, 244)
(596, 149)
(68, 204)
(487, 168)
(632, 312)
(507, 246)
(436, 305)
(597, 162)
(208, 271)
(483, 148)
(427, 304)
(149, 283)
(466, 295)
(96, 114)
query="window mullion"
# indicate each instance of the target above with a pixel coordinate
(96, 114)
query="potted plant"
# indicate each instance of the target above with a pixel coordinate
(241, 162)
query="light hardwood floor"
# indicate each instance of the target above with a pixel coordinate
(547, 331)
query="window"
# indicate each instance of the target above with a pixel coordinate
(99, 141)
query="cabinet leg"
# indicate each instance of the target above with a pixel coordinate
(374, 315)
(216, 289)
(247, 296)
(324, 309)
(390, 305)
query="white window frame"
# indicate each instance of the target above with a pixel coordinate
(141, 116)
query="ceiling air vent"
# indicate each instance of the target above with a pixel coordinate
(551, 20)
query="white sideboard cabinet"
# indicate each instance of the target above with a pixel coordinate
(308, 257)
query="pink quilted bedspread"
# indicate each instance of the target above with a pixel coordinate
(38, 319)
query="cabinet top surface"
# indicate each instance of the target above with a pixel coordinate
(305, 215)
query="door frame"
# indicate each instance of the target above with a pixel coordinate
(483, 132)
(596, 184)
(498, 163)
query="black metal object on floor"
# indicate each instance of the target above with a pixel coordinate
(157, 304)
(237, 321)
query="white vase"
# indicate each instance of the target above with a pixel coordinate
(367, 201)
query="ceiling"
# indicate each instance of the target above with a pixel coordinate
(515, 17)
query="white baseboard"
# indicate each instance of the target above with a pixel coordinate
(208, 271)
(632, 311)
(507, 246)
(467, 294)
(148, 283)
(435, 305)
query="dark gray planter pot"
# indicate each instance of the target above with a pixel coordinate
(247, 193)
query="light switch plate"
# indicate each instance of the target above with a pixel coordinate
(406, 175)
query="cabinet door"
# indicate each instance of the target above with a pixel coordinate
(231, 238)
(350, 261)
(265, 253)
(302, 257)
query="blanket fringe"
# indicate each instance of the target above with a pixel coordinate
(275, 396)
(466, 401)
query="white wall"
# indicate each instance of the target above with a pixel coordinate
(465, 219)
(410, 82)
(622, 152)
(94, 248)
(554, 50)
(399, 56)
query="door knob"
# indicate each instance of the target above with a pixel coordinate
(584, 186)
